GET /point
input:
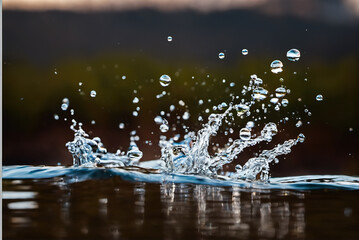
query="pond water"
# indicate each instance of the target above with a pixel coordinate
(139, 203)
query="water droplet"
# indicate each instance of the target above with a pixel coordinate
(276, 66)
(259, 93)
(221, 55)
(200, 102)
(135, 100)
(280, 92)
(158, 119)
(301, 137)
(274, 100)
(351, 129)
(241, 109)
(319, 97)
(123, 77)
(186, 115)
(172, 108)
(293, 55)
(65, 104)
(181, 102)
(281, 79)
(244, 51)
(169, 38)
(299, 124)
(245, 134)
(285, 102)
(165, 80)
(93, 93)
(93, 122)
(250, 124)
(121, 125)
(80, 84)
(164, 128)
(56, 117)
(72, 112)
(135, 114)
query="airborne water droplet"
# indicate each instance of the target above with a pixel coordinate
(280, 92)
(221, 55)
(65, 104)
(93, 93)
(274, 100)
(121, 125)
(241, 109)
(276, 66)
(285, 102)
(186, 115)
(319, 97)
(169, 38)
(259, 93)
(164, 128)
(301, 137)
(135, 100)
(293, 55)
(181, 102)
(250, 124)
(158, 119)
(245, 134)
(299, 124)
(244, 51)
(165, 80)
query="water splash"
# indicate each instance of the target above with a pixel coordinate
(91, 152)
(192, 155)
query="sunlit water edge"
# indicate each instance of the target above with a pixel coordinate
(148, 175)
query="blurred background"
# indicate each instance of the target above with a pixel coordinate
(120, 49)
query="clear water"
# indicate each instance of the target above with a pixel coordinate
(148, 172)
(135, 203)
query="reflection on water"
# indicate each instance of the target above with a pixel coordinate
(114, 209)
(232, 212)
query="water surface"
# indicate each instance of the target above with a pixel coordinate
(119, 203)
